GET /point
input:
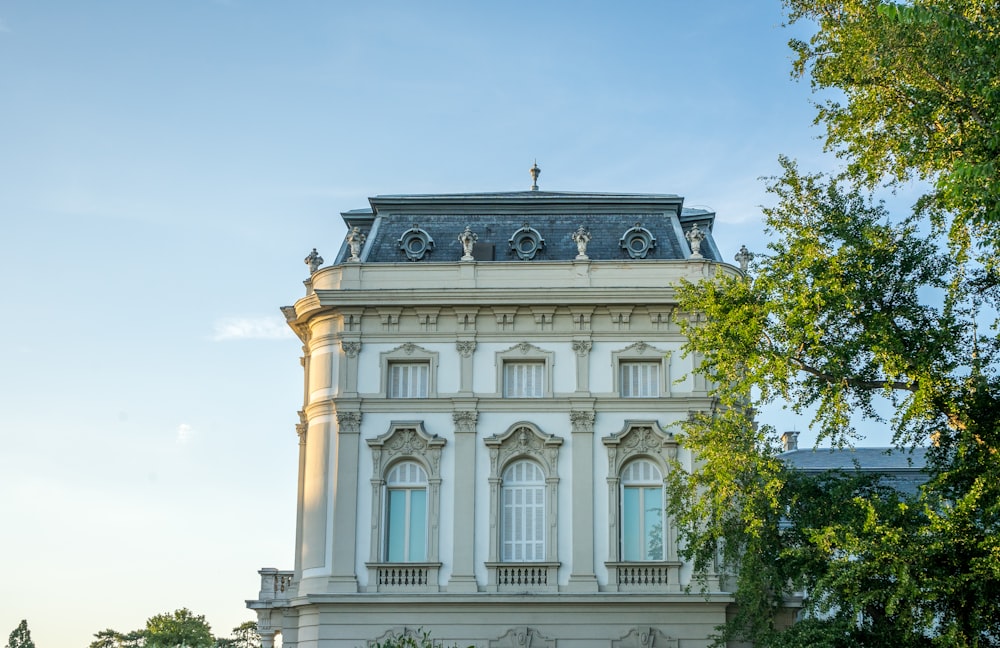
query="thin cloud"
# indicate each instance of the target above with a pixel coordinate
(251, 328)
(184, 433)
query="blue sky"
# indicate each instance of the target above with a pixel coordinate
(164, 169)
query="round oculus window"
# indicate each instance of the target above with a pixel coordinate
(637, 242)
(526, 243)
(416, 243)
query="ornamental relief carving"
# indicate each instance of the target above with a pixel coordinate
(349, 422)
(644, 637)
(407, 440)
(465, 347)
(465, 421)
(523, 637)
(639, 438)
(582, 420)
(351, 349)
(524, 440)
(582, 347)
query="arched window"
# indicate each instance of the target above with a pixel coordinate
(523, 506)
(406, 513)
(642, 509)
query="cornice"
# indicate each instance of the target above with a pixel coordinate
(403, 407)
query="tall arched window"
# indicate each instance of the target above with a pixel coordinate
(406, 513)
(642, 511)
(523, 505)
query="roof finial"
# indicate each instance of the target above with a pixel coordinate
(535, 171)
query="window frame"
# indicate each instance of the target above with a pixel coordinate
(641, 488)
(408, 353)
(637, 441)
(405, 442)
(641, 352)
(409, 515)
(524, 441)
(524, 352)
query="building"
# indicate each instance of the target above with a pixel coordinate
(492, 382)
(903, 470)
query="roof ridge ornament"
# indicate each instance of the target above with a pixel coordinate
(535, 172)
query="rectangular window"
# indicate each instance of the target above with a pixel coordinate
(408, 380)
(640, 379)
(524, 379)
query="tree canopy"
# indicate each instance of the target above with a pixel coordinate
(178, 629)
(917, 95)
(864, 318)
(20, 637)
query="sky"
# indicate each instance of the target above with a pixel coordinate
(166, 166)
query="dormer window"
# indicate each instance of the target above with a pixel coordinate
(416, 243)
(526, 243)
(638, 242)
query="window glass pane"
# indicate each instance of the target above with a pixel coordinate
(524, 379)
(408, 380)
(653, 523)
(396, 526)
(523, 504)
(418, 526)
(631, 540)
(640, 379)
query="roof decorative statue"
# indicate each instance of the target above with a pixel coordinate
(743, 257)
(314, 261)
(695, 236)
(581, 237)
(535, 172)
(467, 239)
(355, 239)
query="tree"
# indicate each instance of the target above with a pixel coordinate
(244, 636)
(178, 629)
(181, 628)
(21, 637)
(113, 639)
(851, 312)
(917, 96)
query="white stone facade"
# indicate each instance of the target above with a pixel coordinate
(467, 425)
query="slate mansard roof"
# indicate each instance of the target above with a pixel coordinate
(903, 470)
(555, 216)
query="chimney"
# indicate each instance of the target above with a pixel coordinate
(789, 441)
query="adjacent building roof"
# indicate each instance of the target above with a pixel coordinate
(903, 469)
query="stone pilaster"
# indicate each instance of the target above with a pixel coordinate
(582, 577)
(345, 503)
(581, 347)
(463, 574)
(466, 349)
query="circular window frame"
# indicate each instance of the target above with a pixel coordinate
(416, 243)
(526, 243)
(637, 242)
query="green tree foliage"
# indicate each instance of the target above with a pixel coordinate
(421, 639)
(850, 314)
(113, 639)
(21, 637)
(180, 628)
(916, 95)
(244, 636)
